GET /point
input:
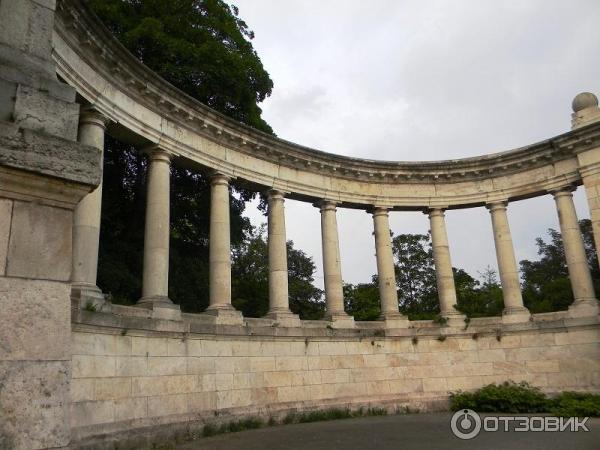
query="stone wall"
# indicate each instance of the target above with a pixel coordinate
(130, 378)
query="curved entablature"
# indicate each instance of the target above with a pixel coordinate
(104, 73)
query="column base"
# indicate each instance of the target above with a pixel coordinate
(516, 315)
(395, 320)
(224, 315)
(161, 307)
(87, 296)
(285, 318)
(584, 308)
(454, 319)
(340, 320)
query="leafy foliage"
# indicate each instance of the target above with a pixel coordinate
(362, 301)
(415, 275)
(575, 404)
(250, 279)
(508, 397)
(200, 46)
(546, 284)
(518, 398)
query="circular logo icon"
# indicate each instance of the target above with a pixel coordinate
(465, 424)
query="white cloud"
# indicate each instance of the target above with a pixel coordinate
(422, 80)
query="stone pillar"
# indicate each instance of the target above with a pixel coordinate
(279, 308)
(332, 270)
(220, 254)
(443, 268)
(514, 311)
(585, 303)
(155, 287)
(386, 274)
(44, 174)
(86, 221)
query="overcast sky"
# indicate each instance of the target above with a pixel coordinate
(423, 80)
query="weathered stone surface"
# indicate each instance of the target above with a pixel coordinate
(40, 242)
(48, 155)
(34, 397)
(34, 312)
(5, 219)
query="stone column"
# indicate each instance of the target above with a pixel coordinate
(443, 267)
(279, 308)
(585, 303)
(155, 287)
(86, 221)
(220, 254)
(332, 270)
(514, 311)
(386, 275)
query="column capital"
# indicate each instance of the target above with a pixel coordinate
(563, 191)
(276, 194)
(326, 205)
(219, 179)
(89, 115)
(379, 211)
(437, 211)
(497, 206)
(156, 153)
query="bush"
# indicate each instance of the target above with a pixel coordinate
(508, 397)
(515, 398)
(575, 404)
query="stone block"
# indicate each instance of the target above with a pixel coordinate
(167, 365)
(434, 385)
(165, 405)
(82, 389)
(200, 366)
(92, 413)
(112, 388)
(5, 219)
(86, 366)
(131, 366)
(236, 398)
(131, 408)
(542, 366)
(224, 381)
(39, 111)
(276, 379)
(199, 402)
(40, 242)
(31, 311)
(493, 355)
(294, 363)
(262, 364)
(34, 397)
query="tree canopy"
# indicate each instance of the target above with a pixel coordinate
(200, 46)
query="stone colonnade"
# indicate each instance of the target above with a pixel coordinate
(156, 251)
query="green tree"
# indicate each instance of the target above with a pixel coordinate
(200, 46)
(203, 48)
(478, 298)
(250, 279)
(362, 300)
(415, 275)
(546, 284)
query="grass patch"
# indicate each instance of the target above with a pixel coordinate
(293, 417)
(517, 398)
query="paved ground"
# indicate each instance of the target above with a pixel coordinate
(415, 431)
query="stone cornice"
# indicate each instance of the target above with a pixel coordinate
(84, 34)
